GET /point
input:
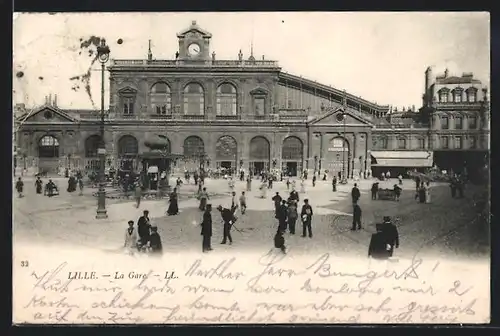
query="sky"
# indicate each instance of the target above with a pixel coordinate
(378, 56)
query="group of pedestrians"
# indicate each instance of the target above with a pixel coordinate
(144, 239)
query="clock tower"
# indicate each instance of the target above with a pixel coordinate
(194, 43)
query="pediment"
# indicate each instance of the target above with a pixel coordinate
(259, 92)
(127, 90)
(48, 114)
(336, 117)
(194, 30)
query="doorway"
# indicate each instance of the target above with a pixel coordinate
(291, 168)
(257, 167)
(226, 166)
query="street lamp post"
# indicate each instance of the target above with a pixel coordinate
(103, 56)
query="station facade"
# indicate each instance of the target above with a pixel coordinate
(248, 113)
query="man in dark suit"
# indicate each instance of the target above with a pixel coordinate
(206, 228)
(227, 217)
(378, 248)
(306, 216)
(277, 202)
(355, 194)
(282, 214)
(143, 227)
(356, 218)
(391, 232)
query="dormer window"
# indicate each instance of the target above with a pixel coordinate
(443, 95)
(457, 95)
(471, 95)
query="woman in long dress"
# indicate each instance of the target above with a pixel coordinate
(302, 186)
(263, 190)
(130, 238)
(173, 208)
(428, 192)
(249, 183)
(203, 199)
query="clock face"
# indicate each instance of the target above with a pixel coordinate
(194, 49)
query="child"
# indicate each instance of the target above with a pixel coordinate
(243, 203)
(279, 241)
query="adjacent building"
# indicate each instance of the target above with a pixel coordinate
(248, 113)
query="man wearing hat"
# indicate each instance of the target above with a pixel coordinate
(206, 228)
(378, 248)
(391, 232)
(143, 226)
(227, 218)
(306, 215)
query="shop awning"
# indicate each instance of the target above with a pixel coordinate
(408, 159)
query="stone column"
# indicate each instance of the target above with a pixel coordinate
(354, 157)
(321, 151)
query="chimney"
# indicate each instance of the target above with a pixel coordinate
(50, 100)
(262, 57)
(428, 78)
(46, 100)
(55, 100)
(446, 72)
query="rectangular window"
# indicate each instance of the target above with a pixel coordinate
(259, 106)
(457, 96)
(472, 122)
(458, 123)
(384, 143)
(444, 123)
(472, 143)
(458, 142)
(471, 96)
(128, 106)
(443, 97)
(444, 142)
(421, 143)
(401, 143)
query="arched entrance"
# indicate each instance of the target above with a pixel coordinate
(292, 155)
(194, 153)
(91, 153)
(128, 150)
(226, 151)
(337, 157)
(48, 154)
(260, 153)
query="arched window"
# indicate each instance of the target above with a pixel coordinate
(292, 149)
(226, 100)
(259, 149)
(194, 99)
(92, 146)
(48, 147)
(128, 145)
(471, 95)
(194, 147)
(226, 148)
(457, 95)
(161, 99)
(443, 95)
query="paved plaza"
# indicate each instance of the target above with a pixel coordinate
(446, 226)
